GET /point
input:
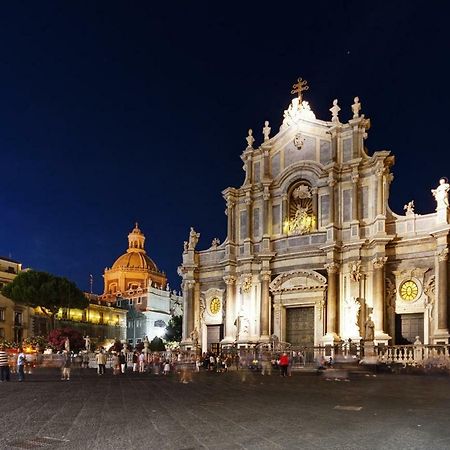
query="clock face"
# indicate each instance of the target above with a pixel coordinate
(409, 290)
(214, 305)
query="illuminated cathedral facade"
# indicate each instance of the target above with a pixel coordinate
(313, 251)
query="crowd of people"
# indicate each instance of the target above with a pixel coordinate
(181, 363)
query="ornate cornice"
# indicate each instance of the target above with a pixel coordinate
(443, 255)
(229, 279)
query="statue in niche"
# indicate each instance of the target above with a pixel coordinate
(301, 217)
(193, 239)
(441, 193)
(370, 329)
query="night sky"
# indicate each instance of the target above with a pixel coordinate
(116, 112)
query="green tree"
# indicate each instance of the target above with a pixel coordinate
(45, 291)
(174, 329)
(157, 345)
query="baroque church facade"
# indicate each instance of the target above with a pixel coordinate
(135, 283)
(313, 252)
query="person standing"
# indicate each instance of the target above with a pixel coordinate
(101, 362)
(135, 361)
(123, 362)
(284, 363)
(67, 363)
(141, 362)
(4, 366)
(21, 359)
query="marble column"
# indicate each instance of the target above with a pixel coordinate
(265, 306)
(443, 289)
(378, 294)
(332, 184)
(188, 308)
(284, 212)
(230, 311)
(315, 207)
(355, 179)
(380, 207)
(332, 298)
(231, 221)
(266, 209)
(248, 207)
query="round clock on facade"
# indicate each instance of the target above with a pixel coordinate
(214, 305)
(409, 290)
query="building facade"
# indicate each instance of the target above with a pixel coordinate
(15, 320)
(135, 284)
(313, 253)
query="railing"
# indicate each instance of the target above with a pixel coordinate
(417, 355)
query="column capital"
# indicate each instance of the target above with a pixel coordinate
(314, 190)
(266, 193)
(332, 182)
(265, 275)
(443, 255)
(332, 267)
(379, 262)
(229, 279)
(379, 171)
(248, 199)
(355, 177)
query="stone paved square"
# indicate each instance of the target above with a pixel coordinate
(224, 411)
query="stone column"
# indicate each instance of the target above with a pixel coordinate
(332, 299)
(230, 311)
(355, 178)
(284, 212)
(266, 209)
(265, 306)
(315, 206)
(378, 299)
(443, 289)
(248, 207)
(188, 308)
(332, 184)
(380, 207)
(231, 221)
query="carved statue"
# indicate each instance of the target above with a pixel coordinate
(335, 111)
(355, 271)
(266, 130)
(215, 243)
(193, 239)
(87, 343)
(299, 140)
(250, 139)
(441, 193)
(356, 107)
(429, 290)
(370, 329)
(409, 208)
(353, 307)
(185, 246)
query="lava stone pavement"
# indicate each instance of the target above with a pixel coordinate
(224, 411)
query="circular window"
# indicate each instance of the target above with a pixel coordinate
(214, 305)
(409, 290)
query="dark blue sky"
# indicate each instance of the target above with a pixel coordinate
(112, 112)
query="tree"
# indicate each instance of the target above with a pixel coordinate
(45, 291)
(157, 345)
(174, 329)
(57, 339)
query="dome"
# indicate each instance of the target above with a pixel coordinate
(135, 260)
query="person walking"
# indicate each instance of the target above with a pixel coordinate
(67, 363)
(123, 362)
(141, 362)
(21, 359)
(115, 364)
(166, 367)
(284, 363)
(4, 366)
(135, 361)
(101, 362)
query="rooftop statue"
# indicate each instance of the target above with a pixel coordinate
(250, 139)
(441, 193)
(266, 131)
(356, 107)
(335, 111)
(193, 239)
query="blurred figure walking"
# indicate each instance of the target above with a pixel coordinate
(4, 366)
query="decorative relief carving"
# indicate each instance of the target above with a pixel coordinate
(246, 283)
(355, 271)
(266, 193)
(299, 140)
(298, 280)
(229, 279)
(265, 275)
(301, 218)
(430, 291)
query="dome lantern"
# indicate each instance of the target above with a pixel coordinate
(136, 240)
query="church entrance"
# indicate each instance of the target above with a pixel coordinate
(407, 327)
(215, 335)
(300, 326)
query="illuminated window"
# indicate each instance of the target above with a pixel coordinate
(409, 290)
(2, 314)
